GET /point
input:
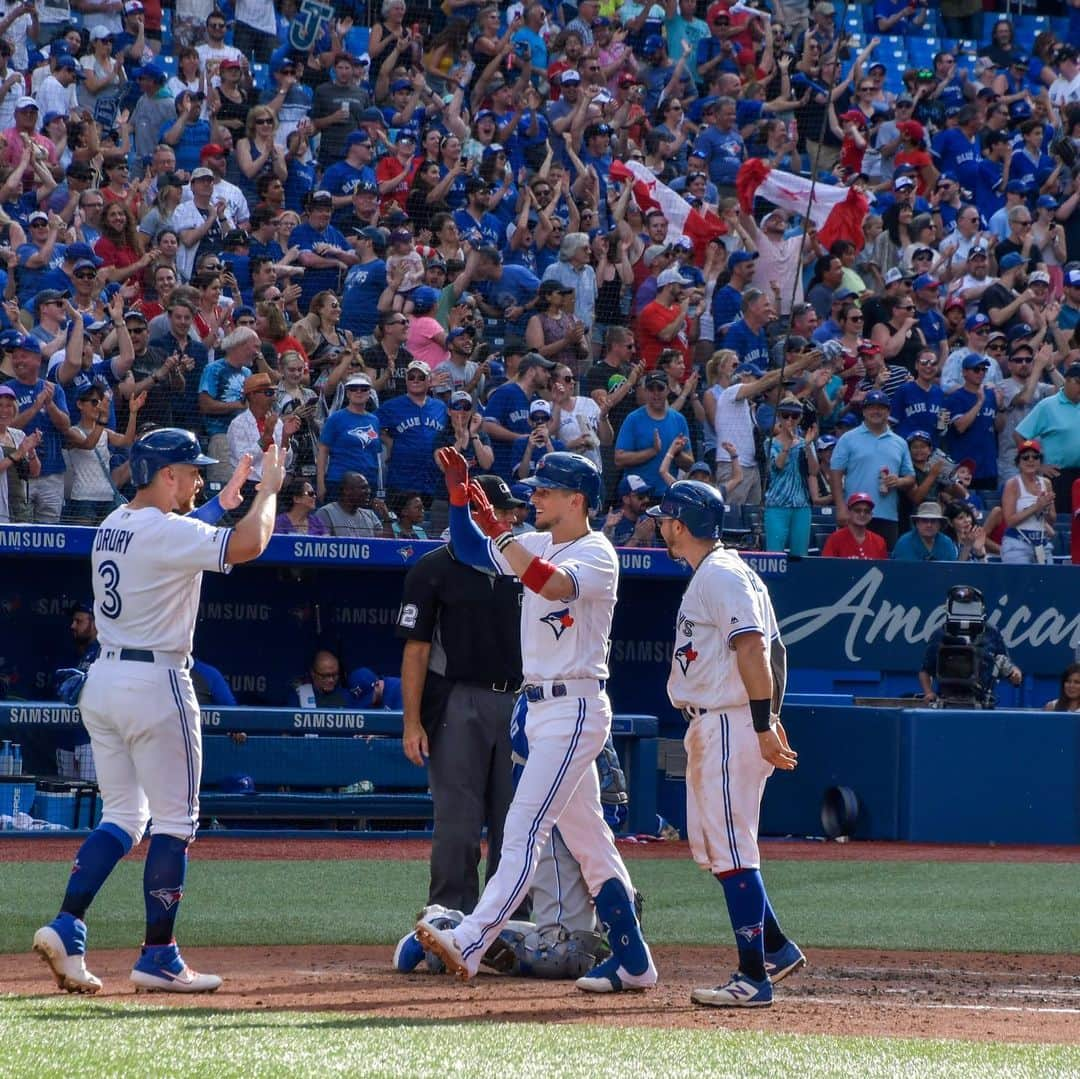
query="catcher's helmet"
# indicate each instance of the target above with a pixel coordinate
(162, 447)
(569, 472)
(699, 507)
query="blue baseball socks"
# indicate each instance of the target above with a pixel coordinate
(97, 857)
(163, 886)
(746, 903)
(616, 911)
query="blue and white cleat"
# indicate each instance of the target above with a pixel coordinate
(408, 954)
(62, 944)
(779, 964)
(609, 977)
(740, 992)
(161, 969)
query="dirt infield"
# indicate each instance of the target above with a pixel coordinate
(940, 995)
(210, 848)
(985, 997)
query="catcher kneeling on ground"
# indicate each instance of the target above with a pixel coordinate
(564, 938)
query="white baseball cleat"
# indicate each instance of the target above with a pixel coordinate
(443, 944)
(609, 977)
(62, 944)
(740, 992)
(161, 969)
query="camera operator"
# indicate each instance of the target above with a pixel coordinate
(965, 656)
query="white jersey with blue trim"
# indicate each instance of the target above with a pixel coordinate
(147, 568)
(568, 638)
(725, 597)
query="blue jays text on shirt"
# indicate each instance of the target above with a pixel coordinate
(417, 421)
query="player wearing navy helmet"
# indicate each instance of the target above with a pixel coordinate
(727, 678)
(138, 703)
(570, 576)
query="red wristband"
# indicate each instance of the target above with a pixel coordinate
(538, 574)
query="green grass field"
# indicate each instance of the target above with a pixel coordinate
(75, 1038)
(888, 905)
(906, 905)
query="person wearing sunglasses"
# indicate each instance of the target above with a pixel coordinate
(258, 427)
(1021, 391)
(89, 445)
(349, 440)
(410, 423)
(298, 515)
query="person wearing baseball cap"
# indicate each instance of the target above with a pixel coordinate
(872, 457)
(529, 449)
(349, 440)
(1055, 423)
(627, 525)
(352, 165)
(1069, 315)
(1002, 302)
(976, 417)
(854, 539)
(324, 253)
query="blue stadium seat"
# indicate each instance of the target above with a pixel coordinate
(260, 76)
(168, 63)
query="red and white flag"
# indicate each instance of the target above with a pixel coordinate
(837, 212)
(683, 220)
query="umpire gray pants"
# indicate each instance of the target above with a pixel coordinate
(471, 778)
(560, 897)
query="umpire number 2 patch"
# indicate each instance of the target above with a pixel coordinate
(408, 615)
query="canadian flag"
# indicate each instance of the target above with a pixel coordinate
(682, 218)
(837, 212)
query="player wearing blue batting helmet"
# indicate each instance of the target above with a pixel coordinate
(697, 505)
(569, 472)
(165, 446)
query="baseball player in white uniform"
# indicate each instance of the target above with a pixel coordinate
(138, 703)
(570, 576)
(727, 651)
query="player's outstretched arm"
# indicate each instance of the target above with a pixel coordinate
(537, 574)
(467, 540)
(211, 511)
(250, 537)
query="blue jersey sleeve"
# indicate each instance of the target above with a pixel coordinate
(468, 542)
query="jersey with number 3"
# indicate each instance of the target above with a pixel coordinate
(568, 638)
(147, 568)
(725, 598)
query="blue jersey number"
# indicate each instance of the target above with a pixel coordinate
(110, 576)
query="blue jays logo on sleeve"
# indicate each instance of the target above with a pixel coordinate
(686, 655)
(558, 621)
(168, 897)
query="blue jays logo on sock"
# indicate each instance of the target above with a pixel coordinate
(75, 867)
(168, 897)
(558, 621)
(686, 655)
(749, 932)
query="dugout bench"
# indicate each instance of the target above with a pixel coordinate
(324, 766)
(349, 766)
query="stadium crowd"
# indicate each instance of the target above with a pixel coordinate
(434, 227)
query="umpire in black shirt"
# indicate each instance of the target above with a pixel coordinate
(460, 672)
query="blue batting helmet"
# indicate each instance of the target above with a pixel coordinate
(569, 472)
(165, 446)
(699, 507)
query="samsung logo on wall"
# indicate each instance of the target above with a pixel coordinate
(32, 539)
(235, 612)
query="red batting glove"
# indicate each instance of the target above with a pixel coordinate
(456, 473)
(483, 513)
